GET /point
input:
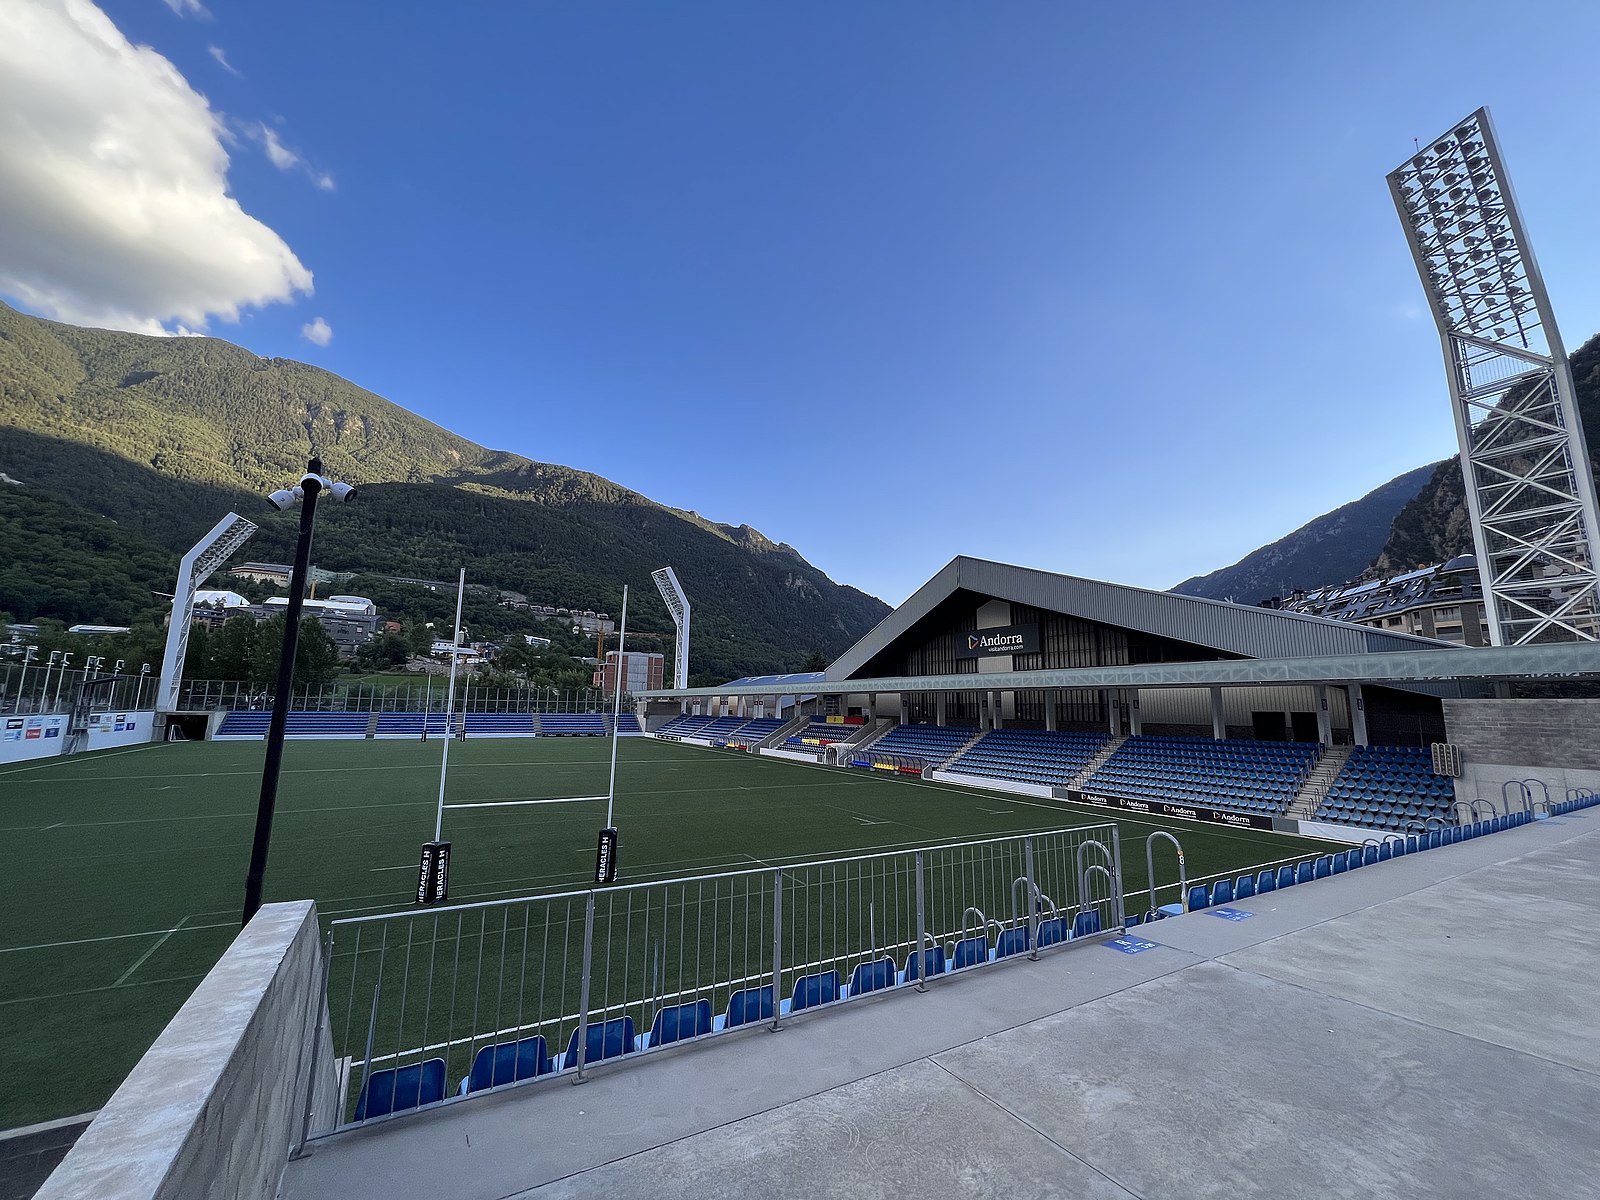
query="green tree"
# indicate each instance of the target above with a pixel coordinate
(232, 649)
(386, 650)
(316, 658)
(815, 661)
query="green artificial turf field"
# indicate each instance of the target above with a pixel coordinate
(126, 872)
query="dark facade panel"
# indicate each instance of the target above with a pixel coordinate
(1153, 626)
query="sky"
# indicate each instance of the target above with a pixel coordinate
(1113, 290)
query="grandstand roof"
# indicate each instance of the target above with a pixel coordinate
(1230, 628)
(1558, 660)
(795, 679)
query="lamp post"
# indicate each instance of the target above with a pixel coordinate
(311, 485)
(29, 653)
(60, 679)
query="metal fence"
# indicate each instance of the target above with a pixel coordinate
(482, 996)
(208, 694)
(47, 687)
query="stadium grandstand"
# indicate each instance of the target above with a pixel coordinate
(1048, 684)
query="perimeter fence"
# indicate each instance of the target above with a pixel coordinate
(441, 1004)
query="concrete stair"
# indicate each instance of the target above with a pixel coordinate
(1094, 764)
(1307, 800)
(960, 750)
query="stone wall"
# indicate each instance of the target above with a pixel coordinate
(1554, 741)
(215, 1106)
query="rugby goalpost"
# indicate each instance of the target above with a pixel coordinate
(434, 871)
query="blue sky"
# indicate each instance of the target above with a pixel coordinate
(1111, 290)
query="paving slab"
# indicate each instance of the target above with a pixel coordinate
(1218, 1082)
(1508, 953)
(912, 1131)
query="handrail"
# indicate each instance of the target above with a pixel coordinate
(1111, 885)
(1489, 804)
(1038, 896)
(1527, 795)
(1545, 787)
(1083, 874)
(1150, 868)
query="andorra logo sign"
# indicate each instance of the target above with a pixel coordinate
(1011, 639)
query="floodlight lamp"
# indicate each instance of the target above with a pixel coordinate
(282, 500)
(342, 493)
(121, 662)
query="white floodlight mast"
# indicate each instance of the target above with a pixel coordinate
(678, 605)
(209, 553)
(1529, 488)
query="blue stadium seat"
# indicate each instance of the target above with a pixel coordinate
(1369, 855)
(932, 961)
(1221, 892)
(1338, 864)
(397, 1090)
(1052, 932)
(870, 977)
(1304, 873)
(611, 1040)
(1266, 881)
(1244, 887)
(1286, 877)
(1322, 867)
(970, 951)
(1199, 898)
(680, 1021)
(507, 1062)
(1011, 941)
(812, 990)
(751, 1004)
(1086, 923)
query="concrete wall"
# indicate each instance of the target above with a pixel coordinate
(30, 736)
(136, 727)
(1556, 741)
(214, 1107)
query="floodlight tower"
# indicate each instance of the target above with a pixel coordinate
(678, 605)
(1529, 486)
(209, 553)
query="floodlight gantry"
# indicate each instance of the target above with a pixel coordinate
(1529, 488)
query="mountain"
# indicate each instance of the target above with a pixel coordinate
(1435, 526)
(1330, 549)
(146, 442)
(1415, 519)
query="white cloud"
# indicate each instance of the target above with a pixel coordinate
(318, 332)
(283, 157)
(221, 55)
(113, 183)
(277, 153)
(189, 8)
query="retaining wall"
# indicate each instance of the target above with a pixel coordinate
(1556, 741)
(216, 1104)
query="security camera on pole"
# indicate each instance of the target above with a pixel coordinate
(311, 485)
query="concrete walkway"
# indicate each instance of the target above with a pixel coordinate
(1421, 1028)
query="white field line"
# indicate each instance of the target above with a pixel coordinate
(111, 937)
(143, 958)
(58, 760)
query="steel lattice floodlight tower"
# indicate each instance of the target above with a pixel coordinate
(678, 605)
(1529, 488)
(209, 553)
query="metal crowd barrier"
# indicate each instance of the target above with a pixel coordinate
(618, 971)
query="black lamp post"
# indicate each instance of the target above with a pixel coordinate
(311, 485)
